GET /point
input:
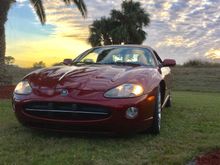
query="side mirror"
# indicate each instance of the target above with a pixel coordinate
(169, 62)
(67, 61)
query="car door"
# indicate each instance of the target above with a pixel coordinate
(166, 74)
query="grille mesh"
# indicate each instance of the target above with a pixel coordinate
(66, 111)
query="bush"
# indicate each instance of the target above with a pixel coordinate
(200, 63)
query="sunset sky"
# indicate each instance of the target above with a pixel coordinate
(179, 29)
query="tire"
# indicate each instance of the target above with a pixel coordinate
(169, 102)
(155, 128)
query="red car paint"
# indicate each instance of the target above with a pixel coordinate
(85, 87)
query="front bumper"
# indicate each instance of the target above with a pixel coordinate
(116, 122)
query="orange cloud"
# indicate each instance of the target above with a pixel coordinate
(177, 41)
(213, 54)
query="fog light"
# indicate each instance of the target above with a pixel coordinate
(131, 113)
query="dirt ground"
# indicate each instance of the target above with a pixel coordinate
(211, 158)
(6, 91)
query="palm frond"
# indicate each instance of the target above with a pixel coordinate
(39, 8)
(79, 4)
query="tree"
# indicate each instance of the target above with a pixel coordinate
(39, 8)
(9, 60)
(100, 32)
(38, 65)
(57, 64)
(4, 7)
(125, 26)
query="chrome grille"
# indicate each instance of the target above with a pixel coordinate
(66, 111)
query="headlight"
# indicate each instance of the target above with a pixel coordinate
(23, 88)
(125, 91)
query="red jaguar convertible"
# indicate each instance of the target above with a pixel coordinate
(108, 89)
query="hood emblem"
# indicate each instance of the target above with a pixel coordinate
(64, 92)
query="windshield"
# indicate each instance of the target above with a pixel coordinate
(118, 55)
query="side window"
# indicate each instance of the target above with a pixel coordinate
(91, 57)
(149, 57)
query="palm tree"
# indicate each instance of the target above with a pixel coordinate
(125, 26)
(39, 8)
(4, 7)
(131, 21)
(99, 31)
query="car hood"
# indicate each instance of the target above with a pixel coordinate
(91, 77)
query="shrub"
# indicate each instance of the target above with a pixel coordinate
(200, 63)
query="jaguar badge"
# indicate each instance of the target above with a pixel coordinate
(64, 92)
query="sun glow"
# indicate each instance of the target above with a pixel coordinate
(213, 54)
(64, 35)
(50, 51)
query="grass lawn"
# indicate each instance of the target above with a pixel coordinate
(205, 79)
(190, 127)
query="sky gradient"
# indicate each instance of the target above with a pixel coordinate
(179, 29)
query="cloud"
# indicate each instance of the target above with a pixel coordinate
(180, 29)
(68, 21)
(176, 41)
(184, 29)
(21, 1)
(213, 54)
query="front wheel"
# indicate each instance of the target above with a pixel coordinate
(155, 128)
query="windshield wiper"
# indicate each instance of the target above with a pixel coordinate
(109, 63)
(79, 62)
(122, 63)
